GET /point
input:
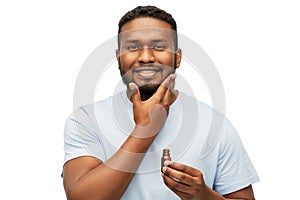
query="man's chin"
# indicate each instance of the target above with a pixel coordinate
(147, 90)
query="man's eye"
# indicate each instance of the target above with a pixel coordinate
(159, 47)
(132, 48)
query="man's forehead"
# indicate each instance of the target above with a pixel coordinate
(150, 33)
(144, 23)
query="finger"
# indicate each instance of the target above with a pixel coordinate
(176, 186)
(172, 85)
(185, 169)
(164, 87)
(135, 95)
(178, 193)
(169, 82)
(170, 93)
(178, 175)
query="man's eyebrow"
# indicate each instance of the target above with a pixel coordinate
(131, 41)
(137, 41)
(159, 40)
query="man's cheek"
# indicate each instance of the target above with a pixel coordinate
(127, 76)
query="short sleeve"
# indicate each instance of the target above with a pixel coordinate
(81, 137)
(234, 170)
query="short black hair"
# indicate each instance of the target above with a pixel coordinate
(149, 11)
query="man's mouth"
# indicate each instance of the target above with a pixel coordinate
(147, 72)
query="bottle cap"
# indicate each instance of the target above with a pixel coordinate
(166, 152)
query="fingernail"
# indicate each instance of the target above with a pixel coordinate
(131, 86)
(164, 169)
(167, 162)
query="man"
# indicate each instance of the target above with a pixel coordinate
(111, 147)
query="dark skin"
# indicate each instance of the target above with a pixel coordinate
(84, 176)
(189, 184)
(89, 178)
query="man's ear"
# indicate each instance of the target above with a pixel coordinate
(178, 57)
(118, 58)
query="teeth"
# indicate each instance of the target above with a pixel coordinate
(147, 73)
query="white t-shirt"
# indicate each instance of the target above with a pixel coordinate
(196, 135)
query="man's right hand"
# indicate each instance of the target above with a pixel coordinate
(150, 115)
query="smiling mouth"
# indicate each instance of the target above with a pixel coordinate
(147, 72)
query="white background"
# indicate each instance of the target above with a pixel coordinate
(255, 46)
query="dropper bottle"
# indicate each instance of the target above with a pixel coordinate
(165, 156)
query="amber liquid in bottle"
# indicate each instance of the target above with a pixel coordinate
(165, 156)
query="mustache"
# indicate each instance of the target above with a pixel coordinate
(158, 67)
(148, 65)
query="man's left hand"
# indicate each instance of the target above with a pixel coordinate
(185, 181)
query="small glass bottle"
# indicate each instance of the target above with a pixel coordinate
(165, 156)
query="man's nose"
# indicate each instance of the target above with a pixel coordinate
(146, 55)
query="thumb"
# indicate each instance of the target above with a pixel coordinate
(135, 96)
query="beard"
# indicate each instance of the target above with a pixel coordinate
(146, 87)
(147, 90)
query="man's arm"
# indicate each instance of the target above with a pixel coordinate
(188, 183)
(90, 178)
(245, 194)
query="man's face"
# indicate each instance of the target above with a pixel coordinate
(146, 55)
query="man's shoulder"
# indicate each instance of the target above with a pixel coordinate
(201, 107)
(105, 103)
(88, 109)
